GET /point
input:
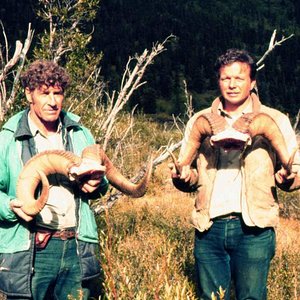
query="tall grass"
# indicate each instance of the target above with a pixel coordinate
(147, 251)
(147, 244)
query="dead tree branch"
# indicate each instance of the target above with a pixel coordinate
(272, 44)
(22, 58)
(131, 81)
(297, 122)
(15, 65)
(296, 127)
(189, 101)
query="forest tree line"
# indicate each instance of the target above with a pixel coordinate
(203, 30)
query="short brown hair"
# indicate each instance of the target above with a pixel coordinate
(44, 72)
(236, 55)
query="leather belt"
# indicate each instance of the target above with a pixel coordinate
(43, 235)
(230, 216)
(63, 234)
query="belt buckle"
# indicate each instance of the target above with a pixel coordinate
(63, 234)
(233, 216)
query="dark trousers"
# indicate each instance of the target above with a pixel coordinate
(231, 251)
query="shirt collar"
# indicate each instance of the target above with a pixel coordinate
(254, 106)
(223, 113)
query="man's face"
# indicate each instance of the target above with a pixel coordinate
(45, 103)
(235, 83)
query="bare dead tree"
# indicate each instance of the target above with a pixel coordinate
(13, 65)
(107, 107)
(131, 81)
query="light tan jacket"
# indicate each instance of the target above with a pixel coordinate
(259, 164)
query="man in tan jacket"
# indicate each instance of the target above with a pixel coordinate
(236, 208)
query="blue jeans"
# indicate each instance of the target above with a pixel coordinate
(57, 271)
(231, 251)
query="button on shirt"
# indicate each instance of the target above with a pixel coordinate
(59, 211)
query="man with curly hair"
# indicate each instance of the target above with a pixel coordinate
(236, 208)
(51, 255)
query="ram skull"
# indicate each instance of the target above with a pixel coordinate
(48, 162)
(236, 136)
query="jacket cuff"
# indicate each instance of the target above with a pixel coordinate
(189, 186)
(6, 213)
(101, 190)
(295, 184)
(290, 185)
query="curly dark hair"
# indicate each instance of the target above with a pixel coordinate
(236, 55)
(44, 72)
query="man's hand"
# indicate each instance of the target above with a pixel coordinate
(184, 175)
(90, 183)
(283, 175)
(16, 207)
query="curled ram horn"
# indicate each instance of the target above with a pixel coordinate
(72, 166)
(116, 179)
(247, 126)
(205, 125)
(262, 124)
(35, 171)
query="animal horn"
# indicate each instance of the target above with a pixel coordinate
(115, 178)
(205, 125)
(35, 171)
(57, 161)
(262, 124)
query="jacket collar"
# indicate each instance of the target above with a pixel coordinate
(217, 104)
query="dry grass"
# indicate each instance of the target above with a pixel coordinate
(284, 280)
(288, 235)
(147, 243)
(148, 248)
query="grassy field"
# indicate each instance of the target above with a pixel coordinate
(147, 243)
(147, 247)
